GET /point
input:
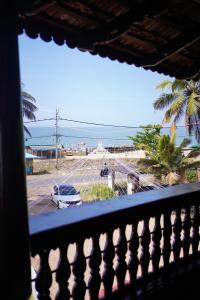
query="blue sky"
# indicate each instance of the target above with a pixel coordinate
(86, 87)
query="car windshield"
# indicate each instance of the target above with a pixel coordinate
(67, 190)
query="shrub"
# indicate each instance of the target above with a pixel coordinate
(97, 192)
(191, 175)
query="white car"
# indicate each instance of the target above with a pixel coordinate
(65, 195)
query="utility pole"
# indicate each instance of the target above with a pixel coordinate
(57, 136)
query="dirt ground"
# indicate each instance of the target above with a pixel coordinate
(48, 166)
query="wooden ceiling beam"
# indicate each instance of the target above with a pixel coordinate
(100, 31)
(176, 45)
(36, 7)
(91, 6)
(151, 8)
(119, 25)
(74, 12)
(109, 31)
(97, 20)
(174, 20)
(151, 35)
(193, 73)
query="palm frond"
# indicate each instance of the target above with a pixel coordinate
(176, 109)
(152, 166)
(193, 104)
(27, 96)
(178, 103)
(181, 104)
(184, 143)
(164, 85)
(178, 85)
(146, 162)
(193, 154)
(164, 101)
(29, 109)
(168, 115)
(29, 105)
(27, 131)
(29, 115)
(193, 164)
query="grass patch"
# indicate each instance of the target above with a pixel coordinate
(96, 192)
(121, 188)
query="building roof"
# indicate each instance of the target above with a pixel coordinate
(46, 147)
(162, 36)
(29, 156)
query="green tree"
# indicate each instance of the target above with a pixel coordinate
(181, 100)
(28, 107)
(147, 139)
(168, 161)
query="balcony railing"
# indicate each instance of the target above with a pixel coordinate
(131, 245)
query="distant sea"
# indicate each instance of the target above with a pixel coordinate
(72, 137)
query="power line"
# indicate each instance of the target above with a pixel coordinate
(40, 120)
(84, 137)
(98, 124)
(38, 137)
(124, 126)
(96, 138)
(78, 137)
(106, 125)
(84, 122)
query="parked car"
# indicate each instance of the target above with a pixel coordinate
(65, 195)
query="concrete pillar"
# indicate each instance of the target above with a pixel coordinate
(132, 183)
(130, 187)
(111, 180)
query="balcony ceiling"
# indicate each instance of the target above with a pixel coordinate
(162, 36)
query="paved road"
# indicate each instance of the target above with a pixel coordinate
(39, 187)
(51, 180)
(40, 206)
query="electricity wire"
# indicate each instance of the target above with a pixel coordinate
(106, 125)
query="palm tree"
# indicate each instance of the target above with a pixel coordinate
(183, 99)
(28, 108)
(168, 161)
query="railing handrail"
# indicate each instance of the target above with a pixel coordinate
(105, 214)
